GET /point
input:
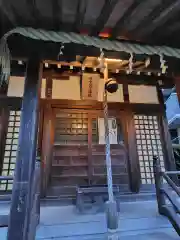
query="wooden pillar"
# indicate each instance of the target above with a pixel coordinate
(130, 138)
(167, 144)
(90, 163)
(47, 144)
(21, 205)
(133, 161)
(165, 135)
(48, 138)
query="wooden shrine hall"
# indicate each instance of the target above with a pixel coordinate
(52, 86)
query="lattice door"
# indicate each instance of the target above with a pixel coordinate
(148, 144)
(10, 149)
(71, 128)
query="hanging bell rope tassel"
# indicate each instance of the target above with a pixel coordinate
(111, 205)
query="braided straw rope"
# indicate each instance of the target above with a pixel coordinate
(62, 37)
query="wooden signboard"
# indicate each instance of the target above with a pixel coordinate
(90, 86)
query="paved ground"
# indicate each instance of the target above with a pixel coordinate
(137, 221)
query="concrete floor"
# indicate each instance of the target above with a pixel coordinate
(137, 221)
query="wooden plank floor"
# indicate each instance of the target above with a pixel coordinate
(138, 220)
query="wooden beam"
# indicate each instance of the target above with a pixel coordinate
(50, 51)
(12, 103)
(170, 36)
(3, 89)
(122, 77)
(147, 19)
(21, 206)
(57, 14)
(6, 22)
(121, 22)
(106, 11)
(158, 17)
(17, 17)
(80, 14)
(82, 104)
(35, 13)
(64, 73)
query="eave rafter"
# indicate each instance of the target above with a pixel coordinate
(157, 18)
(106, 12)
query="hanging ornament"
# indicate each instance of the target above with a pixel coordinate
(61, 51)
(111, 84)
(131, 63)
(163, 66)
(101, 60)
(147, 62)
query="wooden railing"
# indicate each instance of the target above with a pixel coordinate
(165, 191)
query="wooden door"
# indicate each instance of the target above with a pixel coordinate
(118, 150)
(149, 142)
(70, 150)
(79, 155)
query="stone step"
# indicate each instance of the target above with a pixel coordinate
(123, 197)
(137, 220)
(5, 197)
(70, 191)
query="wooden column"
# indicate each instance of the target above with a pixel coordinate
(21, 205)
(130, 138)
(167, 144)
(166, 138)
(48, 138)
(90, 163)
(133, 161)
(47, 144)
